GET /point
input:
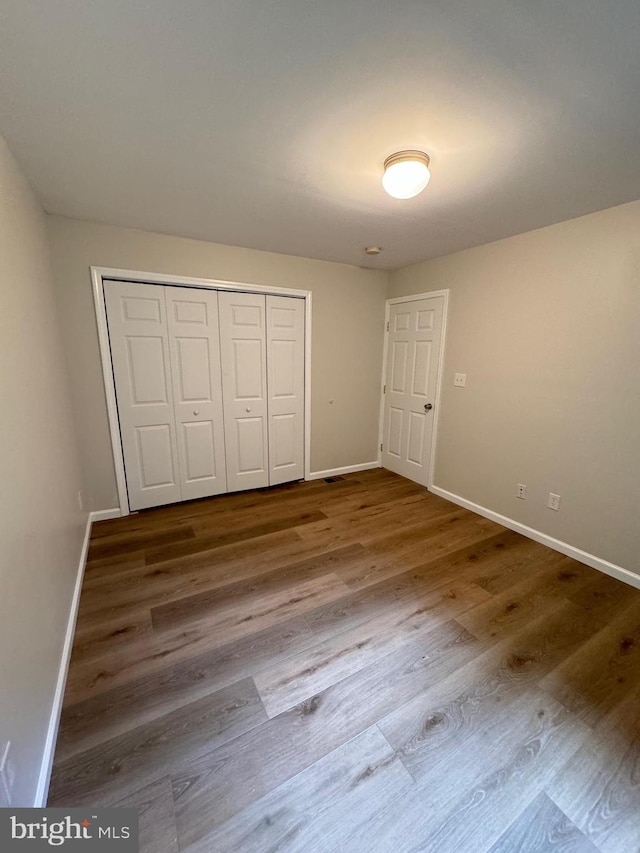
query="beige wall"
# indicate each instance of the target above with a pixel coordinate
(546, 326)
(348, 317)
(41, 526)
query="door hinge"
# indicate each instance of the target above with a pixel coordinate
(384, 389)
(380, 447)
(387, 325)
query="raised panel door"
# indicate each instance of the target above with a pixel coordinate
(138, 338)
(244, 388)
(413, 347)
(285, 371)
(194, 346)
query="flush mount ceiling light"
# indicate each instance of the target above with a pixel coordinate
(406, 173)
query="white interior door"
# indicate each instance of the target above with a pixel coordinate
(285, 375)
(138, 337)
(413, 354)
(194, 346)
(244, 388)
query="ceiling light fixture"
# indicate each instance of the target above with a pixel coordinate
(406, 173)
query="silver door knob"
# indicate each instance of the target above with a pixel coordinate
(428, 407)
(196, 411)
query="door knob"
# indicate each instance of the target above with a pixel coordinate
(248, 409)
(196, 411)
(428, 407)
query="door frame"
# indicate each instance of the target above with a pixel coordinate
(415, 297)
(100, 276)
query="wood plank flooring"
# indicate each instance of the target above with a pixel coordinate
(351, 665)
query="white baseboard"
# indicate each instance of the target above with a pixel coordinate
(563, 547)
(42, 790)
(104, 514)
(347, 469)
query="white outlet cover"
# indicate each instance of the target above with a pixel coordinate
(554, 501)
(460, 380)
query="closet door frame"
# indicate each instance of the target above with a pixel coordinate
(101, 276)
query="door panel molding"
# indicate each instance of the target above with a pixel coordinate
(100, 276)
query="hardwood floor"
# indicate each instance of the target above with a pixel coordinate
(351, 665)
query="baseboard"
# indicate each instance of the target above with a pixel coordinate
(42, 790)
(105, 514)
(605, 566)
(347, 469)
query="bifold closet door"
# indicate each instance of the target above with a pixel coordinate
(166, 364)
(138, 336)
(209, 388)
(285, 382)
(194, 347)
(243, 344)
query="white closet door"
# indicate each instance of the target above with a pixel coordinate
(285, 372)
(244, 388)
(140, 356)
(194, 346)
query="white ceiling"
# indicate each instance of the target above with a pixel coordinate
(264, 123)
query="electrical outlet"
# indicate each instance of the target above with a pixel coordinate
(7, 776)
(554, 501)
(521, 491)
(460, 380)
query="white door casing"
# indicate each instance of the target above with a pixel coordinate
(411, 380)
(285, 381)
(140, 357)
(243, 346)
(194, 346)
